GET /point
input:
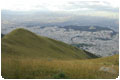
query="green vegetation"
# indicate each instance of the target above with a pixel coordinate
(60, 75)
(24, 43)
(26, 55)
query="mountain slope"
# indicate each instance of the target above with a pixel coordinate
(28, 56)
(29, 68)
(21, 42)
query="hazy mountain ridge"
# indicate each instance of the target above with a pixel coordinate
(43, 18)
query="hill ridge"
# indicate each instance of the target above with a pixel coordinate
(21, 42)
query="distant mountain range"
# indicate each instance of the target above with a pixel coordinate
(87, 28)
(99, 32)
(41, 18)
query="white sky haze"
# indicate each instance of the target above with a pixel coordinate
(52, 4)
(106, 8)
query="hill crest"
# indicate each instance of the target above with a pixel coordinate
(21, 42)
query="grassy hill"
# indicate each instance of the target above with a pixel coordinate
(21, 42)
(27, 55)
(100, 68)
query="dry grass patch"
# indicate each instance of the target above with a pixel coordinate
(45, 68)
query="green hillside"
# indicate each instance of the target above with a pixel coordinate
(21, 42)
(26, 55)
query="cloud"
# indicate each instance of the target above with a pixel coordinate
(91, 6)
(76, 7)
(56, 5)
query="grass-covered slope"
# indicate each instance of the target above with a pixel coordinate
(21, 42)
(99, 68)
(27, 55)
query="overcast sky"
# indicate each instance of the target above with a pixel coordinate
(108, 8)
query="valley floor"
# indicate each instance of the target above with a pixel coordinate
(16, 67)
